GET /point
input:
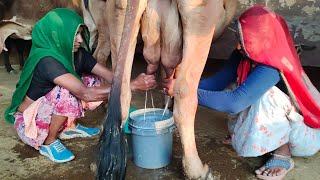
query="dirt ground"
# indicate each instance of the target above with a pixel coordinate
(19, 161)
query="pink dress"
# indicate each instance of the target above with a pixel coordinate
(59, 101)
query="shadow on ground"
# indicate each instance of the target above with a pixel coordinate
(19, 161)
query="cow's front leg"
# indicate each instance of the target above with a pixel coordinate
(199, 18)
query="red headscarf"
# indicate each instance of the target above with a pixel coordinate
(265, 38)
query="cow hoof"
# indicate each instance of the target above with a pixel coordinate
(197, 171)
(12, 71)
(209, 175)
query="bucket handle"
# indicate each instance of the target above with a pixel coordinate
(172, 128)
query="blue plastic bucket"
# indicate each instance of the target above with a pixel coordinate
(151, 137)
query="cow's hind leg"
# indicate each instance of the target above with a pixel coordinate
(20, 45)
(112, 161)
(116, 11)
(7, 64)
(6, 56)
(98, 10)
(199, 18)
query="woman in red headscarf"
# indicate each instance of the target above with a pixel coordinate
(264, 118)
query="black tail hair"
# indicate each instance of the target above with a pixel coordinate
(112, 143)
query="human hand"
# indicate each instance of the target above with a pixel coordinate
(143, 82)
(167, 85)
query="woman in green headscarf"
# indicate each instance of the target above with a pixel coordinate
(59, 81)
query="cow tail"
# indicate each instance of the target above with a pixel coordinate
(112, 144)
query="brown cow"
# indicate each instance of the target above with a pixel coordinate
(201, 21)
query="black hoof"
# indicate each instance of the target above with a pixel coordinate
(12, 71)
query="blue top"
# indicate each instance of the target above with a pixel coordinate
(211, 92)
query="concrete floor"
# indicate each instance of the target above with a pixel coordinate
(19, 161)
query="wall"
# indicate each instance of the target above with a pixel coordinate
(302, 16)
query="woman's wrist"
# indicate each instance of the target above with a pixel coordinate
(133, 86)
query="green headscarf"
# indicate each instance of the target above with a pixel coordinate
(53, 36)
